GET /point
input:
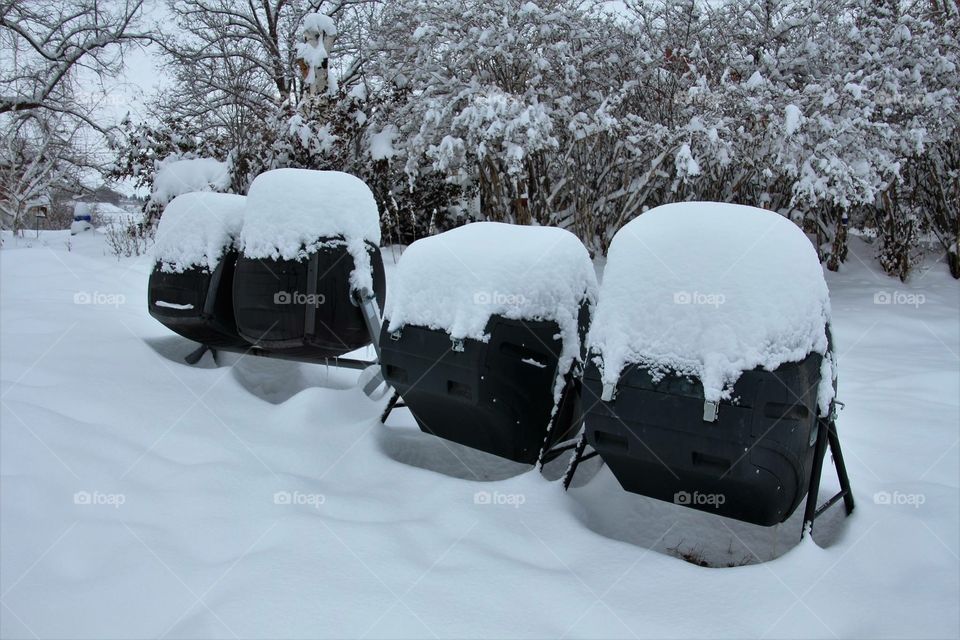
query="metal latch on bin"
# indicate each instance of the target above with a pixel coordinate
(609, 392)
(710, 409)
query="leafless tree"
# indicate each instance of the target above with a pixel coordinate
(50, 53)
(45, 44)
(39, 153)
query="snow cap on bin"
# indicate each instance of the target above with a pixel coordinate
(710, 290)
(196, 229)
(290, 210)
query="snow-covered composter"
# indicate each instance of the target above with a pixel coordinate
(191, 286)
(710, 375)
(309, 281)
(483, 336)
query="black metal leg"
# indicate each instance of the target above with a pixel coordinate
(575, 462)
(394, 399)
(838, 462)
(194, 356)
(813, 492)
(826, 436)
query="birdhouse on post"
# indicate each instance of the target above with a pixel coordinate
(313, 54)
(39, 208)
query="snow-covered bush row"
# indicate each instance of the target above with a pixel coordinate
(549, 112)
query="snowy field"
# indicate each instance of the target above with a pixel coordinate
(142, 497)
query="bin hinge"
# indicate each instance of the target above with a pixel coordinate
(710, 408)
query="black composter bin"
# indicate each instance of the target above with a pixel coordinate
(495, 396)
(758, 453)
(752, 462)
(197, 303)
(304, 308)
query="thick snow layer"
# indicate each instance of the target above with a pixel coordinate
(792, 118)
(313, 52)
(381, 144)
(291, 211)
(710, 290)
(257, 498)
(457, 280)
(176, 177)
(319, 23)
(196, 228)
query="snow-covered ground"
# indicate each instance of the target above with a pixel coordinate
(142, 497)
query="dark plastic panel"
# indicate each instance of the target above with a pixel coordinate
(757, 456)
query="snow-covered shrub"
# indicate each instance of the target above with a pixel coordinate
(553, 112)
(126, 239)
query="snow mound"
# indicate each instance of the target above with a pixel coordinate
(319, 23)
(196, 228)
(176, 177)
(293, 212)
(457, 280)
(710, 290)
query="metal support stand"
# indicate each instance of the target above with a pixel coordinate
(826, 437)
(578, 457)
(194, 356)
(395, 402)
(371, 318)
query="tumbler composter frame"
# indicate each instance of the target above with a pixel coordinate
(237, 307)
(359, 309)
